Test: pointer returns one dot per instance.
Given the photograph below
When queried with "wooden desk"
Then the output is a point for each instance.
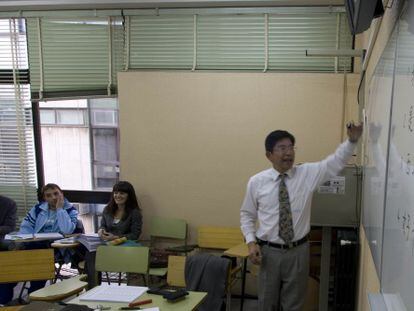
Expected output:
(240, 251)
(189, 303)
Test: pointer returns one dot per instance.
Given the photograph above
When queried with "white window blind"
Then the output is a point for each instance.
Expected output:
(79, 53)
(17, 158)
(237, 39)
(231, 41)
(291, 34)
(75, 52)
(161, 41)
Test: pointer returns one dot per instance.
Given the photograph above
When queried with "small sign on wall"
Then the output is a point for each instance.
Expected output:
(335, 185)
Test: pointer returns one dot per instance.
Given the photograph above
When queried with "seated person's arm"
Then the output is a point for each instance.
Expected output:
(67, 218)
(136, 225)
(29, 222)
(103, 231)
(9, 223)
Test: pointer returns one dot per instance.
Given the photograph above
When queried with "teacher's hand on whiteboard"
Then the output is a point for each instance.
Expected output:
(354, 131)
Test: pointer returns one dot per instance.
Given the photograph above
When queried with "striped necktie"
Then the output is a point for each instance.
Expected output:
(285, 213)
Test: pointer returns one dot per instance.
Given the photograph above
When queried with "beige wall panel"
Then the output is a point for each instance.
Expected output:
(190, 141)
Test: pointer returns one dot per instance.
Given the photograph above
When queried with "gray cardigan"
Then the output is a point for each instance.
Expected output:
(207, 273)
(129, 227)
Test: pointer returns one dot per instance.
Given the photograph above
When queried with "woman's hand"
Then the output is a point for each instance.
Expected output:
(107, 236)
(101, 233)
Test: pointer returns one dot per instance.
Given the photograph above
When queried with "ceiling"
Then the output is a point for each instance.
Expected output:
(6, 5)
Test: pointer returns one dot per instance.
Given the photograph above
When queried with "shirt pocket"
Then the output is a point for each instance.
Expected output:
(298, 201)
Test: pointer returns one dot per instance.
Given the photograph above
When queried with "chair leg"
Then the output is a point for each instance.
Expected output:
(21, 292)
(57, 273)
(107, 278)
(228, 301)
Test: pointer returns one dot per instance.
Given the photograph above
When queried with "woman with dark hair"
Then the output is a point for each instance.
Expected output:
(122, 216)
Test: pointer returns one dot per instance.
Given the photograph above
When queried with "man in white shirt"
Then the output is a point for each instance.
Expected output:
(279, 200)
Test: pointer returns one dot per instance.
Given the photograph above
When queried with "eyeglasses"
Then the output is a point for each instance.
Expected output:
(284, 148)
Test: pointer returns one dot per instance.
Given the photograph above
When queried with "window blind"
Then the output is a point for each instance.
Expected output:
(74, 54)
(161, 41)
(81, 52)
(17, 158)
(290, 35)
(237, 39)
(231, 42)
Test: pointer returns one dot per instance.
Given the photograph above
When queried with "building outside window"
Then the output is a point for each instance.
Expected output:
(80, 143)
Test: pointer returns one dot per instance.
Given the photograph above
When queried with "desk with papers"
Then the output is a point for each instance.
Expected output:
(190, 302)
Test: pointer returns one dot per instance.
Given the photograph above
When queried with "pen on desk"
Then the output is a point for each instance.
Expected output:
(129, 308)
(139, 302)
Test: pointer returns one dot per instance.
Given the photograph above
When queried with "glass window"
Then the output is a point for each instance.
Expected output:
(105, 142)
(104, 117)
(70, 117)
(47, 116)
(105, 175)
(78, 155)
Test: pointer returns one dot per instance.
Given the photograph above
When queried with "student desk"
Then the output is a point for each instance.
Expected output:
(189, 303)
(240, 251)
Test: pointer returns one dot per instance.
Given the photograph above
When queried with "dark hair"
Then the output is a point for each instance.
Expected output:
(48, 187)
(275, 136)
(131, 203)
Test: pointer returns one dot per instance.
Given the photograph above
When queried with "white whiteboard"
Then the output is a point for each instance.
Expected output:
(388, 204)
(398, 255)
(376, 137)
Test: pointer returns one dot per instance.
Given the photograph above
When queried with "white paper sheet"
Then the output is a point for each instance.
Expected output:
(18, 236)
(114, 293)
(48, 236)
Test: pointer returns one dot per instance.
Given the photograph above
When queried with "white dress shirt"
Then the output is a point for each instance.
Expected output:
(261, 202)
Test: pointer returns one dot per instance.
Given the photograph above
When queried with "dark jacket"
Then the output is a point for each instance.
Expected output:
(8, 217)
(207, 273)
(129, 227)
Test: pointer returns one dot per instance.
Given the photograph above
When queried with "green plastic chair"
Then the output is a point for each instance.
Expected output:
(123, 259)
(163, 228)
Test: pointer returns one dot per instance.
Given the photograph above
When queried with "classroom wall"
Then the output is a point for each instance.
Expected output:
(368, 280)
(191, 140)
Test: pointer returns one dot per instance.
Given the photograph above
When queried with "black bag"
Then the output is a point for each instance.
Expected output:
(159, 258)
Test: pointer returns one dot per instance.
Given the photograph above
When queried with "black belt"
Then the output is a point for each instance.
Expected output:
(284, 246)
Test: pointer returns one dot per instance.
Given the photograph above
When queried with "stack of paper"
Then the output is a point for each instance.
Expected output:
(90, 241)
(114, 293)
(70, 240)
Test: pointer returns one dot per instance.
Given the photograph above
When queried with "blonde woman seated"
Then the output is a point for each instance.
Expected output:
(121, 218)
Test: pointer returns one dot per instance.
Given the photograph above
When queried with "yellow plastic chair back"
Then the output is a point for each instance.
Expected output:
(175, 274)
(27, 265)
(219, 237)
